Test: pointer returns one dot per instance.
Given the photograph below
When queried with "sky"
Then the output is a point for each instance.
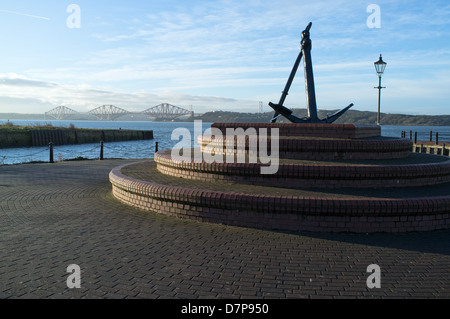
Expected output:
(225, 55)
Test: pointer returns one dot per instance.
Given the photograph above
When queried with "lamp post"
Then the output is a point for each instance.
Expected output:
(380, 66)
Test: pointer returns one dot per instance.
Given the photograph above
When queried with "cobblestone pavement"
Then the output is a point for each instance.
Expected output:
(55, 215)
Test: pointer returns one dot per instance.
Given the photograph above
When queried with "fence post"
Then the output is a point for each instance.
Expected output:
(51, 152)
(437, 138)
(101, 150)
(156, 147)
(415, 137)
(410, 135)
(431, 136)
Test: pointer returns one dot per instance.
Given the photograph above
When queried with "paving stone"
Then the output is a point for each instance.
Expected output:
(54, 215)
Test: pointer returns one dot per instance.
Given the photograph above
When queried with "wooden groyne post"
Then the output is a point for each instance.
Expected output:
(428, 147)
(101, 150)
(51, 152)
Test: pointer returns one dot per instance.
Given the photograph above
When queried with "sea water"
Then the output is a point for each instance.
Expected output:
(145, 149)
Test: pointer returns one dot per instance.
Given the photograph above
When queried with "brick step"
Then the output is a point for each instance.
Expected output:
(318, 130)
(326, 178)
(142, 186)
(418, 170)
(311, 148)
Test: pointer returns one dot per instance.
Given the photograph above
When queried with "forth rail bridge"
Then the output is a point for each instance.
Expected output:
(161, 112)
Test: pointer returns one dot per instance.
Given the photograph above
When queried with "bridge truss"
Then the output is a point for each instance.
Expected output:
(61, 112)
(164, 112)
(108, 112)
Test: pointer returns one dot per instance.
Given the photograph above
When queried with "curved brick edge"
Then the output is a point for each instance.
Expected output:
(314, 149)
(284, 213)
(300, 175)
(308, 129)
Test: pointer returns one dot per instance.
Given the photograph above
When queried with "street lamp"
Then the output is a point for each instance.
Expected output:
(380, 66)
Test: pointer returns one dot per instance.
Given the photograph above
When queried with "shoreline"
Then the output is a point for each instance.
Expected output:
(28, 136)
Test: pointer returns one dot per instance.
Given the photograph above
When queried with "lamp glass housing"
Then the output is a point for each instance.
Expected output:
(380, 66)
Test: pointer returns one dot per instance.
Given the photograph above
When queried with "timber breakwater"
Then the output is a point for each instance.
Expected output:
(28, 136)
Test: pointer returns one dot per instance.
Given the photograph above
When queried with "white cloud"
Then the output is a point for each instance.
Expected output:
(84, 97)
(232, 54)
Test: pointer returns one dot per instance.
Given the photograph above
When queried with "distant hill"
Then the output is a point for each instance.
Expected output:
(350, 117)
(18, 116)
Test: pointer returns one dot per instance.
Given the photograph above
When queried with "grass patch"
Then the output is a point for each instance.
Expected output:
(9, 126)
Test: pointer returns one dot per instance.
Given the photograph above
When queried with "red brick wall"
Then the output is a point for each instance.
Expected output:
(317, 149)
(321, 176)
(317, 130)
(301, 213)
(285, 213)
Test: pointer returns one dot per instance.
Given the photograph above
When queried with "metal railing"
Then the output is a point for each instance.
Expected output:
(431, 147)
(51, 149)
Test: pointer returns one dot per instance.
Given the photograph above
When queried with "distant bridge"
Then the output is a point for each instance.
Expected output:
(161, 112)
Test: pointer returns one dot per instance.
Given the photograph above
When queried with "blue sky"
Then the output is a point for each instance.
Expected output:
(222, 55)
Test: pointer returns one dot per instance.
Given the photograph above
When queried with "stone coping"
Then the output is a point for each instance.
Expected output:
(293, 213)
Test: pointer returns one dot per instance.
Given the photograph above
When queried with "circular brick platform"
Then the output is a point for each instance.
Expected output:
(253, 207)
(315, 148)
(307, 141)
(307, 174)
(344, 131)
(353, 180)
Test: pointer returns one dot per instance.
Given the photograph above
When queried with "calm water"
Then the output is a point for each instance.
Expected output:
(162, 132)
(146, 149)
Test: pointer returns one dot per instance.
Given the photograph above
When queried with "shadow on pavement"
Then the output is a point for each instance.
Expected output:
(433, 242)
